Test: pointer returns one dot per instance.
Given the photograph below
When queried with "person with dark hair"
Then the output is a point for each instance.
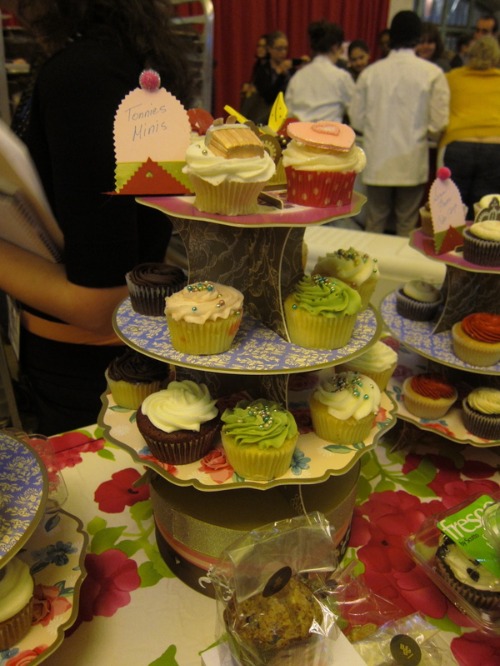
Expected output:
(463, 45)
(320, 90)
(487, 24)
(359, 57)
(384, 42)
(430, 46)
(398, 103)
(96, 51)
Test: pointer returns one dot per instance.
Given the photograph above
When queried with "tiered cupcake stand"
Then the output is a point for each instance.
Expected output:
(53, 545)
(262, 256)
(428, 346)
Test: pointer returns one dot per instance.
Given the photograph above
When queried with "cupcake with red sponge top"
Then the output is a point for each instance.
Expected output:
(476, 339)
(428, 395)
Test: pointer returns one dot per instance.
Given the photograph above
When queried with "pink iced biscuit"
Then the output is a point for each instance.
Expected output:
(323, 134)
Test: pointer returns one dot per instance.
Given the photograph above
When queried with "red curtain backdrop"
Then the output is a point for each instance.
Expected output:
(239, 23)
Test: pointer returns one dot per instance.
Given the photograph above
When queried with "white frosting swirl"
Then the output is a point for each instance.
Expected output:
(487, 230)
(308, 158)
(182, 405)
(203, 301)
(349, 265)
(349, 394)
(201, 162)
(469, 572)
(16, 588)
(377, 358)
(485, 400)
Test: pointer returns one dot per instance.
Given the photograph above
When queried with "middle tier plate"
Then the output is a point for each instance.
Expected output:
(256, 349)
(314, 460)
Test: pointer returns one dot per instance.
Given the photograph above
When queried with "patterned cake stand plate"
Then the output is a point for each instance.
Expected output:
(55, 554)
(450, 426)
(315, 459)
(23, 494)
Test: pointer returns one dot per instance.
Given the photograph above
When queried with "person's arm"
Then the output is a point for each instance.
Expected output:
(357, 108)
(43, 285)
(439, 111)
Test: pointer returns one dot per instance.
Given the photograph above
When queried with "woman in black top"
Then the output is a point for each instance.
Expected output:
(97, 50)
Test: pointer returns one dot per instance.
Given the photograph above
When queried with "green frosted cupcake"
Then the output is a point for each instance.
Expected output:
(259, 439)
(321, 312)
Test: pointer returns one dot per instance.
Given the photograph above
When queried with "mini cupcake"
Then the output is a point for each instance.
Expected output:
(482, 243)
(150, 283)
(259, 439)
(378, 362)
(321, 163)
(180, 423)
(228, 169)
(16, 602)
(356, 269)
(132, 377)
(344, 406)
(321, 312)
(476, 339)
(428, 395)
(418, 300)
(481, 412)
(204, 317)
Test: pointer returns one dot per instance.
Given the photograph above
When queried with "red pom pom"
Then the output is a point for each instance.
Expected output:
(149, 80)
(443, 173)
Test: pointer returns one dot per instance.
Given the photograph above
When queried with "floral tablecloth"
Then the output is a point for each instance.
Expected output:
(134, 612)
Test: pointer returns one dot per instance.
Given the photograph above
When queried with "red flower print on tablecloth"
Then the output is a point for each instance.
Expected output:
(69, 446)
(114, 495)
(475, 648)
(48, 603)
(25, 657)
(216, 466)
(111, 576)
(380, 528)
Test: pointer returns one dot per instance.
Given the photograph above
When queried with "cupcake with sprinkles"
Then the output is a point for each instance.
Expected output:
(357, 269)
(204, 317)
(259, 439)
(321, 312)
(344, 406)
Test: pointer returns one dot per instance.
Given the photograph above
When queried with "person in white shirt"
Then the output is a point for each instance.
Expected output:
(320, 90)
(399, 103)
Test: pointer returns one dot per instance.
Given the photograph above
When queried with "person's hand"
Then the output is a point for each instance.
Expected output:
(284, 66)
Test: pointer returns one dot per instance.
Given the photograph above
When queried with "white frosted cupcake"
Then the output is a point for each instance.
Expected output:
(204, 317)
(482, 243)
(418, 300)
(357, 269)
(228, 169)
(16, 602)
(377, 362)
(481, 412)
(344, 407)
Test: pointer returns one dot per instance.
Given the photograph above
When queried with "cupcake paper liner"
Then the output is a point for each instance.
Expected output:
(423, 407)
(472, 351)
(15, 628)
(228, 198)
(130, 395)
(149, 301)
(250, 462)
(409, 308)
(320, 189)
(212, 337)
(332, 429)
(317, 332)
(486, 426)
(479, 251)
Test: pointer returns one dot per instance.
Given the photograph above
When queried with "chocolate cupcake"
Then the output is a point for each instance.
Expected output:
(481, 412)
(132, 377)
(418, 300)
(150, 283)
(482, 243)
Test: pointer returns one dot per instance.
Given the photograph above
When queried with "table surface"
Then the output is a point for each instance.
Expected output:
(135, 612)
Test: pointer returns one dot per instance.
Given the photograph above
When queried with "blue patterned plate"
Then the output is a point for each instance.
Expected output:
(23, 494)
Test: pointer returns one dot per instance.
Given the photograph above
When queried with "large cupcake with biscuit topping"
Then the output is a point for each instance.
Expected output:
(228, 169)
(321, 163)
(344, 406)
(428, 395)
(476, 339)
(204, 317)
(321, 312)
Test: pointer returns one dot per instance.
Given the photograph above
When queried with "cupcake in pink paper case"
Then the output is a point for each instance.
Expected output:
(321, 163)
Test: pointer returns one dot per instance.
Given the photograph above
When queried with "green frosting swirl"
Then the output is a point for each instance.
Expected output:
(260, 423)
(325, 296)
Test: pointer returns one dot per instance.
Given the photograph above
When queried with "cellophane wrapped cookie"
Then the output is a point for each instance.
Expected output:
(270, 588)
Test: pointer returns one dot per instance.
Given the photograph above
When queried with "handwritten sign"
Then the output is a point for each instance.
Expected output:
(447, 211)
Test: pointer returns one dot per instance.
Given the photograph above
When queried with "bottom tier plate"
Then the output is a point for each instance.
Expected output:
(55, 554)
(314, 460)
(450, 425)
